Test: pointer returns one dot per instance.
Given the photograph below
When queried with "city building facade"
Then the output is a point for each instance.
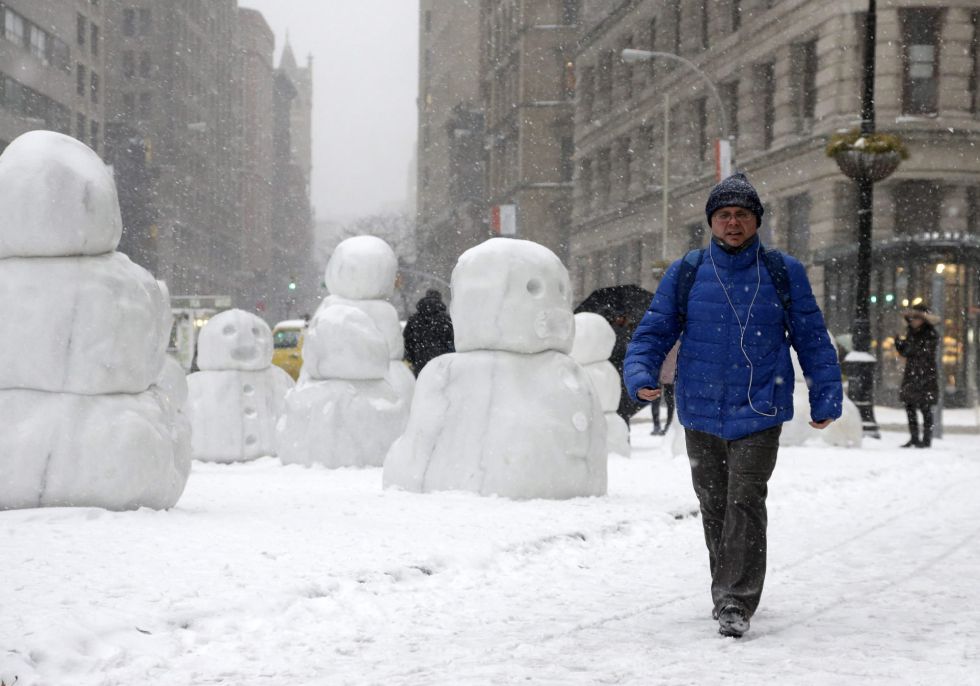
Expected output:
(778, 78)
(527, 81)
(451, 208)
(52, 69)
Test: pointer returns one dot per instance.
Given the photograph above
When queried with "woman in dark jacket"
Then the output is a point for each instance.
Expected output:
(920, 383)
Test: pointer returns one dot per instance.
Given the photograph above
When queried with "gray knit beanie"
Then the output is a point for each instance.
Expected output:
(735, 191)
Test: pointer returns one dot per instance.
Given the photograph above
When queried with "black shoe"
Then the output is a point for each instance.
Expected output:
(655, 432)
(912, 443)
(732, 621)
(924, 444)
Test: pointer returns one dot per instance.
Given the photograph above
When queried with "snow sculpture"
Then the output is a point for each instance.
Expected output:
(510, 413)
(594, 342)
(237, 398)
(361, 273)
(346, 414)
(845, 432)
(85, 419)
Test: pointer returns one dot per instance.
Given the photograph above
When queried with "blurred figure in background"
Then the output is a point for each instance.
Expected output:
(429, 332)
(920, 382)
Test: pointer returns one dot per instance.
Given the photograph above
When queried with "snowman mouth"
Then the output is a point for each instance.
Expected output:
(243, 354)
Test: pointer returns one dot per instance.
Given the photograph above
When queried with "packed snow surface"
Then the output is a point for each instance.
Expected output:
(56, 198)
(309, 576)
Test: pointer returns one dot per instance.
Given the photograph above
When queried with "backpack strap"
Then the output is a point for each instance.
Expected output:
(685, 280)
(776, 266)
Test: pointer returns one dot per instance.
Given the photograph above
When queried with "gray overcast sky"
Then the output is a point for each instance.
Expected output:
(365, 57)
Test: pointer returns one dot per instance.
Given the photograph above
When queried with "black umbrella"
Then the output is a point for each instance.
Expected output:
(629, 301)
(623, 307)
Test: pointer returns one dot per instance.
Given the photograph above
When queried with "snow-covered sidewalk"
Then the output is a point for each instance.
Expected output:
(287, 575)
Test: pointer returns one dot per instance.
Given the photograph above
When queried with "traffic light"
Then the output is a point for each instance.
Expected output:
(292, 285)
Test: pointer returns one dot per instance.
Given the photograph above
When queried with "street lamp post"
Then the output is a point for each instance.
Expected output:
(860, 361)
(631, 55)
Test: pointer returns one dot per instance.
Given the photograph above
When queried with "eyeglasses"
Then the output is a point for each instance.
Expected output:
(725, 216)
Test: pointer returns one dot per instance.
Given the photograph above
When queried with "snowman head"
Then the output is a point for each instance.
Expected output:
(594, 338)
(362, 268)
(57, 198)
(236, 340)
(342, 342)
(511, 295)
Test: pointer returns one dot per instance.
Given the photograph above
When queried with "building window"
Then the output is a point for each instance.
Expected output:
(625, 70)
(81, 126)
(729, 96)
(604, 82)
(652, 45)
(94, 37)
(920, 60)
(146, 21)
(569, 12)
(585, 183)
(567, 163)
(766, 76)
(129, 104)
(605, 177)
(705, 25)
(586, 93)
(428, 21)
(695, 235)
(13, 27)
(973, 210)
(146, 105)
(798, 225)
(129, 22)
(38, 44)
(701, 129)
(736, 15)
(145, 65)
(80, 29)
(804, 85)
(674, 7)
(94, 86)
(128, 64)
(975, 64)
(917, 206)
(94, 139)
(81, 79)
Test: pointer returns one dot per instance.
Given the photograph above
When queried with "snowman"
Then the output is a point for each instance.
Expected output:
(844, 432)
(594, 342)
(509, 413)
(237, 398)
(361, 273)
(345, 414)
(90, 415)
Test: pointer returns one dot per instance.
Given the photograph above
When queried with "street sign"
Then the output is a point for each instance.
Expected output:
(503, 220)
(723, 159)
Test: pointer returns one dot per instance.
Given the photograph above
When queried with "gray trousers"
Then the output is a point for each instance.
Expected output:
(731, 482)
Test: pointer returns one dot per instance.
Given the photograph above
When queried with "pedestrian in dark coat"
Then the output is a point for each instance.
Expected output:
(429, 332)
(734, 385)
(920, 382)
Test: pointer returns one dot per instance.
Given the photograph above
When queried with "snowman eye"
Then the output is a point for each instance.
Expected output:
(228, 330)
(535, 287)
(255, 331)
(561, 287)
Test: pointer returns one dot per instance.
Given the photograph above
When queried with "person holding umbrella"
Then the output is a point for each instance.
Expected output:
(920, 382)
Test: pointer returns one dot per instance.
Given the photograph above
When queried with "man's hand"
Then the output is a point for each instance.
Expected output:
(648, 394)
(821, 425)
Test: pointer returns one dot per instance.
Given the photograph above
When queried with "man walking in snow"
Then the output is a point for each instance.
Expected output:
(736, 307)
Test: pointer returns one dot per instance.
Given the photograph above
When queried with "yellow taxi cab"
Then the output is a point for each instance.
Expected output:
(287, 345)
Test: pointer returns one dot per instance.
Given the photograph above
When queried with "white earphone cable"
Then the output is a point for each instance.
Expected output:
(742, 327)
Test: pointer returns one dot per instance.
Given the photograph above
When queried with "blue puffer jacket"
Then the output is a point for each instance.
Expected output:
(712, 387)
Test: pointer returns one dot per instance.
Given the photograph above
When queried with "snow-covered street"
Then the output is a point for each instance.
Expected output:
(292, 575)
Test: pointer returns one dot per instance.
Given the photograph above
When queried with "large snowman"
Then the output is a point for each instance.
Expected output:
(345, 414)
(89, 415)
(237, 398)
(361, 273)
(594, 342)
(509, 413)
